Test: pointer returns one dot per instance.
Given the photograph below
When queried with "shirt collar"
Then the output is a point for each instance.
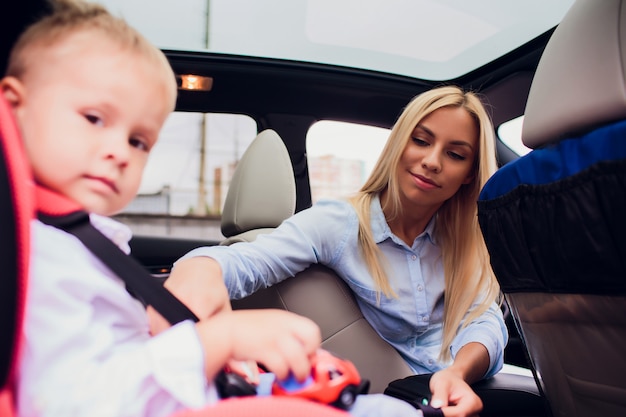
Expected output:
(117, 232)
(381, 230)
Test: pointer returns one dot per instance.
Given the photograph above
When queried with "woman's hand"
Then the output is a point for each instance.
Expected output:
(450, 387)
(453, 395)
(198, 283)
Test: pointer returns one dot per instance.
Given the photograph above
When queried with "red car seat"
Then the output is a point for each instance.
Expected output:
(17, 209)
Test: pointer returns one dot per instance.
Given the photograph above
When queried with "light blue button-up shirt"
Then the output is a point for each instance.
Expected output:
(327, 233)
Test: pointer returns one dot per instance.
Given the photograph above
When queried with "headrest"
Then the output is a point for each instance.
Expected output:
(262, 192)
(580, 82)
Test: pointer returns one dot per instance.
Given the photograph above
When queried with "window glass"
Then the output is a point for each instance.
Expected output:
(187, 176)
(369, 34)
(341, 156)
(511, 134)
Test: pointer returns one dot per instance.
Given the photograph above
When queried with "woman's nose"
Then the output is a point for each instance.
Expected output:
(432, 160)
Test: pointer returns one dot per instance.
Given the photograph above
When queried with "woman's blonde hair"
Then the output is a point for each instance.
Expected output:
(70, 16)
(468, 275)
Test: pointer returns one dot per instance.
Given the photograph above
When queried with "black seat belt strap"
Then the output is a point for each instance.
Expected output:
(140, 283)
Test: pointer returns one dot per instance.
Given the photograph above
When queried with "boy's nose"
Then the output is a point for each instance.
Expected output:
(117, 149)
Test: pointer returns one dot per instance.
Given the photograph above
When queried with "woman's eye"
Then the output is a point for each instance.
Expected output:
(94, 120)
(139, 144)
(419, 141)
(456, 156)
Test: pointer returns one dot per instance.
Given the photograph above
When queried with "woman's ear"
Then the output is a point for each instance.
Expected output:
(12, 90)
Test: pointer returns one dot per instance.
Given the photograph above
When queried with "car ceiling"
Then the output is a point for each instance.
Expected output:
(274, 92)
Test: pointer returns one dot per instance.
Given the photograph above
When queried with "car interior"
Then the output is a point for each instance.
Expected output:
(566, 328)
(320, 294)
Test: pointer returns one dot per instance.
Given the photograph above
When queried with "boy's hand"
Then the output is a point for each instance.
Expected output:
(282, 341)
(247, 369)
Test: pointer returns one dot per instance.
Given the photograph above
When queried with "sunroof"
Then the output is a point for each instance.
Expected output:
(428, 39)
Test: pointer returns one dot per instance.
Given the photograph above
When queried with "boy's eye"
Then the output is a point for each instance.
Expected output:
(94, 120)
(139, 144)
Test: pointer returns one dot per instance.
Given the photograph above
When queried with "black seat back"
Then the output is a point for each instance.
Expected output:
(554, 220)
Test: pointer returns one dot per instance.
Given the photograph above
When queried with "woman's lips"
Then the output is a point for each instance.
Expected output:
(425, 182)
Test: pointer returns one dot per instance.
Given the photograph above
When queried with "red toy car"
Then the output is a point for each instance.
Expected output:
(333, 381)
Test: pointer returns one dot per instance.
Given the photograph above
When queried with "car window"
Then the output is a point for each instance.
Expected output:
(341, 156)
(188, 173)
(180, 198)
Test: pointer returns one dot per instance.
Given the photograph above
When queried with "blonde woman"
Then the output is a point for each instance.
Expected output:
(408, 244)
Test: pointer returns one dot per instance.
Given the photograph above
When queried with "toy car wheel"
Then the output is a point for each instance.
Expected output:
(347, 397)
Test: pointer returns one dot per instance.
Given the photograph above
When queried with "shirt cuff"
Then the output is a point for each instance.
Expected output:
(203, 251)
(469, 335)
(178, 361)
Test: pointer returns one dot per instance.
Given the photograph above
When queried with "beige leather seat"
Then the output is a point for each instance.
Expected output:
(262, 192)
(554, 220)
(261, 195)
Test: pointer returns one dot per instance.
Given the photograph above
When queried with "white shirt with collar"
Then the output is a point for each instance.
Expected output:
(87, 349)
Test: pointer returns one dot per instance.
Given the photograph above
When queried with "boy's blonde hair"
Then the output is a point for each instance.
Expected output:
(71, 16)
(468, 274)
